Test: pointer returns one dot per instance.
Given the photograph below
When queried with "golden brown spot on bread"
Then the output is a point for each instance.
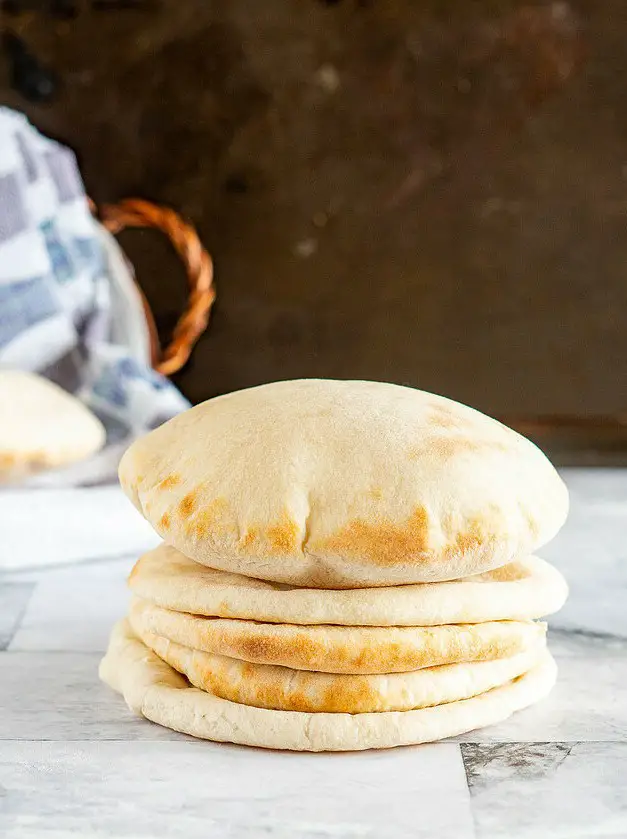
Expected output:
(283, 535)
(452, 445)
(474, 533)
(336, 648)
(381, 541)
(169, 482)
(426, 449)
(294, 700)
(164, 521)
(408, 651)
(472, 537)
(264, 648)
(188, 504)
(505, 574)
(278, 538)
(341, 695)
(250, 537)
(254, 689)
(376, 493)
(134, 571)
(394, 655)
(147, 506)
(444, 416)
(300, 650)
(208, 520)
(263, 693)
(385, 542)
(255, 648)
(530, 521)
(352, 697)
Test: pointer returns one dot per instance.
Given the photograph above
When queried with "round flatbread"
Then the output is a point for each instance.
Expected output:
(42, 426)
(338, 649)
(285, 689)
(338, 484)
(153, 689)
(522, 590)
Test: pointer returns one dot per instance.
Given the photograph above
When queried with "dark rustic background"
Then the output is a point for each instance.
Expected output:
(432, 193)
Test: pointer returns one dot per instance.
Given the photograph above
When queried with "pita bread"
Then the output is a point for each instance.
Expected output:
(526, 589)
(284, 689)
(338, 649)
(337, 484)
(153, 689)
(42, 426)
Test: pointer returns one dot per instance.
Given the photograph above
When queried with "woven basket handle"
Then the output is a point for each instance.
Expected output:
(134, 212)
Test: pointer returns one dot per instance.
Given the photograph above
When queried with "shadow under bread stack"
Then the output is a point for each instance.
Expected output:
(346, 565)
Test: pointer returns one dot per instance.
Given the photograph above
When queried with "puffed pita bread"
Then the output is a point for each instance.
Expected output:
(153, 689)
(525, 589)
(339, 484)
(338, 649)
(284, 689)
(42, 426)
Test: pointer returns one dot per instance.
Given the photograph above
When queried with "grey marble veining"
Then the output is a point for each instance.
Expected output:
(14, 598)
(557, 790)
(497, 762)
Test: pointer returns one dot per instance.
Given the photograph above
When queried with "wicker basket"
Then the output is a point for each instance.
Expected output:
(134, 212)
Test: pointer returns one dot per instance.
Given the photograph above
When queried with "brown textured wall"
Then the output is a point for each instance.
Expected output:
(433, 193)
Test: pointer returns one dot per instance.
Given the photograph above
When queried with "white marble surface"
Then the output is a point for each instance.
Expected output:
(101, 524)
(72, 607)
(204, 790)
(591, 551)
(75, 762)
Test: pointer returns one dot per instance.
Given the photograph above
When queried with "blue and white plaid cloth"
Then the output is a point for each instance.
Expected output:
(60, 315)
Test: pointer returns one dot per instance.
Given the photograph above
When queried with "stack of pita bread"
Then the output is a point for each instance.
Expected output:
(345, 565)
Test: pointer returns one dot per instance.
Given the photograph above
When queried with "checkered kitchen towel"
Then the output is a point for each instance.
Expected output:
(61, 314)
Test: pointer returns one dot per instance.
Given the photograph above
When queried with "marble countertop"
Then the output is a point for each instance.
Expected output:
(74, 761)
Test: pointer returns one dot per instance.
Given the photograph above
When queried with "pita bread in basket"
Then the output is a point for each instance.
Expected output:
(42, 426)
(338, 649)
(344, 484)
(153, 689)
(522, 590)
